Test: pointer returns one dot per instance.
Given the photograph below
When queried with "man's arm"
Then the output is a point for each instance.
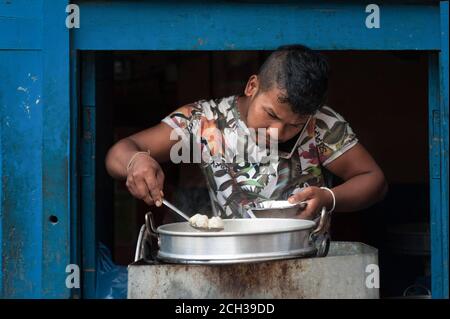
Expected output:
(155, 139)
(364, 184)
(144, 178)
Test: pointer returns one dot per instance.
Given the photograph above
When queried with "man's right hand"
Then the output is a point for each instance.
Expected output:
(145, 180)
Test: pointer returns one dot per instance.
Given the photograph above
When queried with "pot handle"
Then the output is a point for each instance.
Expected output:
(150, 225)
(150, 247)
(138, 252)
(324, 222)
(320, 236)
(146, 231)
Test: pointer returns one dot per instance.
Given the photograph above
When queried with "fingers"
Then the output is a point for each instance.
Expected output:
(154, 189)
(146, 183)
(308, 195)
(147, 186)
(138, 188)
(160, 181)
(148, 200)
(303, 195)
(310, 211)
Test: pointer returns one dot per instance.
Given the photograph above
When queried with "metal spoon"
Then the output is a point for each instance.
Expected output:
(179, 212)
(176, 210)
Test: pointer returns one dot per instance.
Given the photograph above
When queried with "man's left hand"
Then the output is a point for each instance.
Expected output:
(315, 197)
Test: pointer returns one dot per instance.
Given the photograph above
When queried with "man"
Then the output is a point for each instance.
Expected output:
(283, 103)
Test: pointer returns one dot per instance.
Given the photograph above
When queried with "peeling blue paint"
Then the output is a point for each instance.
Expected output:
(31, 254)
(243, 25)
(21, 205)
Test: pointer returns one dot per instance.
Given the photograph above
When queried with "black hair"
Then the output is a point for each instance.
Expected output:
(300, 73)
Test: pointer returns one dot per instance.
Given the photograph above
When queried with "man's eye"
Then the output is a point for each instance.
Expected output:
(272, 115)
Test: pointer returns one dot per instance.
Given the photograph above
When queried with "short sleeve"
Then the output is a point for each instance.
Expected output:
(333, 134)
(185, 119)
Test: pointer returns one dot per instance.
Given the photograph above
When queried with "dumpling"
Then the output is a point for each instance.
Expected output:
(199, 220)
(216, 222)
(202, 221)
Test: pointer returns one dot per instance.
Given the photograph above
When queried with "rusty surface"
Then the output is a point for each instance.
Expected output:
(340, 275)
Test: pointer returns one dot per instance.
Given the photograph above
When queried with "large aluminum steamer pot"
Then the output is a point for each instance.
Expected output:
(242, 240)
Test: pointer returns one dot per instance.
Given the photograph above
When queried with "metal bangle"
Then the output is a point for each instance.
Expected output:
(130, 162)
(334, 199)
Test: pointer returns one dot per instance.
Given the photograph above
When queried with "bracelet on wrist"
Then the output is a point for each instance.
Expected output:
(135, 155)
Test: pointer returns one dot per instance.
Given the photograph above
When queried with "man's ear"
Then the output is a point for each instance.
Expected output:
(252, 86)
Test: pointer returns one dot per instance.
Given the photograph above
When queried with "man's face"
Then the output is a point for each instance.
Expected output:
(265, 111)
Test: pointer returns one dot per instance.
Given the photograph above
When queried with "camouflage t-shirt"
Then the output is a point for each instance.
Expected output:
(215, 128)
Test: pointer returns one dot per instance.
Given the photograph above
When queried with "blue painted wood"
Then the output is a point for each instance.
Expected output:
(21, 9)
(233, 25)
(75, 242)
(88, 207)
(434, 138)
(438, 141)
(21, 24)
(443, 77)
(34, 109)
(55, 150)
(19, 35)
(1, 201)
(21, 208)
(21, 155)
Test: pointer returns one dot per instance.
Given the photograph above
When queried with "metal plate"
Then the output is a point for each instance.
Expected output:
(276, 209)
(275, 204)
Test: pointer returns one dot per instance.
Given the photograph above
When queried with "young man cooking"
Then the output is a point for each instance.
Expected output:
(285, 101)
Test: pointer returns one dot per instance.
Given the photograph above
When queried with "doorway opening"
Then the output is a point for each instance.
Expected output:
(383, 95)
